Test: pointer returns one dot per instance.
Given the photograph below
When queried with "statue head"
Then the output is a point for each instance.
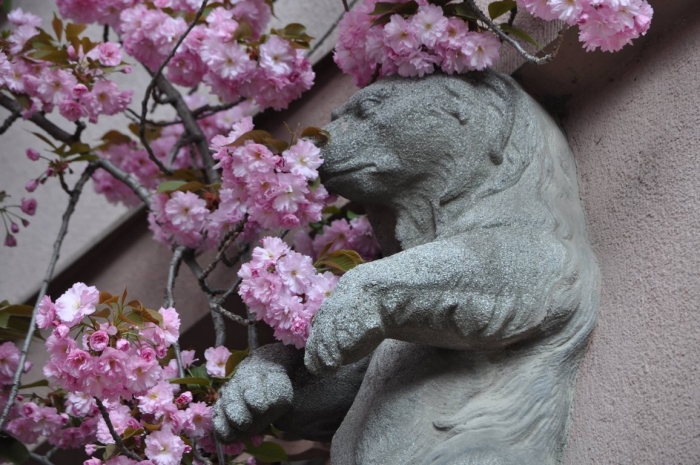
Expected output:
(440, 136)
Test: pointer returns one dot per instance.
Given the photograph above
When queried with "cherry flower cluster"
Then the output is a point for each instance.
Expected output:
(413, 43)
(226, 50)
(72, 77)
(605, 24)
(131, 158)
(340, 234)
(282, 288)
(262, 185)
(117, 358)
(415, 37)
(10, 217)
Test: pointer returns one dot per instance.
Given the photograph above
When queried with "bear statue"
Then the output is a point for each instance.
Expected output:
(461, 345)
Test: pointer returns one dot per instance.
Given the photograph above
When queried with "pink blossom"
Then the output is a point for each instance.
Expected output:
(28, 206)
(216, 360)
(156, 398)
(46, 313)
(9, 361)
(98, 341)
(429, 24)
(164, 448)
(32, 154)
(31, 185)
(77, 302)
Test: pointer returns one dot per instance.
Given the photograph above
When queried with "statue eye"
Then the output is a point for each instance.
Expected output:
(367, 106)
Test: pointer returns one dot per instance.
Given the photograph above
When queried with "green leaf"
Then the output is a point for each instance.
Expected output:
(116, 137)
(6, 6)
(13, 451)
(331, 210)
(40, 383)
(318, 135)
(199, 372)
(197, 381)
(130, 432)
(351, 214)
(236, 357)
(44, 138)
(340, 261)
(497, 9)
(169, 186)
(519, 33)
(461, 10)
(4, 320)
(256, 135)
(18, 310)
(57, 25)
(86, 157)
(267, 452)
(74, 30)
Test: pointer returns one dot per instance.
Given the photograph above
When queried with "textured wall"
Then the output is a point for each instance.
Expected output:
(637, 145)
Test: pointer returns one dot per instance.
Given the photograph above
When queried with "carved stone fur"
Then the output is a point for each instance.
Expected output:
(476, 318)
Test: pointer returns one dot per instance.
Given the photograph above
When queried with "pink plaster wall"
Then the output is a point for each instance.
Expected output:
(637, 141)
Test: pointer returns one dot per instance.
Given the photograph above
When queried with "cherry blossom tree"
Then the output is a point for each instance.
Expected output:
(121, 388)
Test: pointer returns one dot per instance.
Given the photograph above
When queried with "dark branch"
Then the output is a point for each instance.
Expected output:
(14, 116)
(40, 120)
(74, 196)
(158, 76)
(115, 436)
(125, 178)
(505, 37)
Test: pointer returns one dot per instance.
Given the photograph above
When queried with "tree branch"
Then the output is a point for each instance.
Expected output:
(191, 126)
(42, 459)
(214, 306)
(74, 196)
(514, 43)
(115, 436)
(40, 120)
(8, 122)
(130, 182)
(155, 80)
(170, 300)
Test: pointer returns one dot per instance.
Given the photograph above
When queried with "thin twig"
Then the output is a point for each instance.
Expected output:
(330, 31)
(14, 116)
(219, 451)
(182, 141)
(208, 110)
(40, 120)
(196, 269)
(253, 342)
(224, 244)
(215, 307)
(199, 456)
(152, 85)
(115, 436)
(42, 459)
(170, 299)
(105, 33)
(74, 196)
(191, 126)
(345, 5)
(131, 182)
(172, 275)
(514, 43)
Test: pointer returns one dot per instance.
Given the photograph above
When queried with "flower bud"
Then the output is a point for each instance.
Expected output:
(32, 154)
(31, 185)
(28, 206)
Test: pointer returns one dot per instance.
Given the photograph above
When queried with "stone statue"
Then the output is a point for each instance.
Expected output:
(462, 345)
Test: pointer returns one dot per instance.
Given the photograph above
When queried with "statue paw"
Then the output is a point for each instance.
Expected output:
(258, 394)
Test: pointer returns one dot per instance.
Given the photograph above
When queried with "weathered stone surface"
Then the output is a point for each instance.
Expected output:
(476, 319)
